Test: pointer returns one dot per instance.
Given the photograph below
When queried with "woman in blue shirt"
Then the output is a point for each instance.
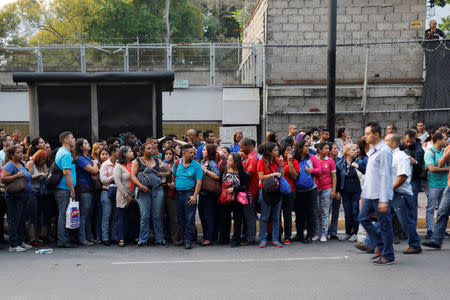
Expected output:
(85, 168)
(13, 170)
(237, 137)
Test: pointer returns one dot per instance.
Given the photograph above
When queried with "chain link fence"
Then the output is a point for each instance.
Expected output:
(200, 64)
(395, 83)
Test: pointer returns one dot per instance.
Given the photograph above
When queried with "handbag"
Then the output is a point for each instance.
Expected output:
(304, 180)
(112, 190)
(225, 198)
(272, 183)
(285, 187)
(17, 186)
(243, 198)
(211, 185)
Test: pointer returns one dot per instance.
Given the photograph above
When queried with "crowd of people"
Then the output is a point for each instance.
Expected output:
(147, 193)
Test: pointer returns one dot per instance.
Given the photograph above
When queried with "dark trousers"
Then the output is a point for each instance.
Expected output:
(351, 209)
(186, 214)
(287, 205)
(123, 225)
(16, 218)
(304, 212)
(207, 206)
(3, 211)
(383, 240)
(224, 232)
(249, 212)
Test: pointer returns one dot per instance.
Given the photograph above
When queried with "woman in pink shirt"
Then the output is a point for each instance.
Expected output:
(326, 186)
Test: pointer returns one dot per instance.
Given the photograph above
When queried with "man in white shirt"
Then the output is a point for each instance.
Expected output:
(378, 193)
(422, 133)
(403, 203)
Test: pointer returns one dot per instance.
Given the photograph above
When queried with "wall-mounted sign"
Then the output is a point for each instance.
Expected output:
(416, 24)
(180, 84)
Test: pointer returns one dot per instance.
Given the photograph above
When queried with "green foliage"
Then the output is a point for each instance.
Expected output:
(445, 25)
(440, 3)
(186, 21)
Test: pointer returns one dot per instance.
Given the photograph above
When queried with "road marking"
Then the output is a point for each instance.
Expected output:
(230, 260)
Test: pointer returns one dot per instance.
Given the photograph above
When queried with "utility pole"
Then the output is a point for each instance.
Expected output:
(331, 68)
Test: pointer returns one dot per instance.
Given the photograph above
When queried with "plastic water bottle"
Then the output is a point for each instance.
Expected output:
(44, 251)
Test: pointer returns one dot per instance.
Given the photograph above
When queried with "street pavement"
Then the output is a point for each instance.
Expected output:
(331, 270)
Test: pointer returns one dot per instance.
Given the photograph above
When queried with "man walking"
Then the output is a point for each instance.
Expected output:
(378, 193)
(66, 187)
(403, 203)
(413, 148)
(187, 176)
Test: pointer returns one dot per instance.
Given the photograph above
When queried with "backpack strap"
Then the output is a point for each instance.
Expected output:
(176, 167)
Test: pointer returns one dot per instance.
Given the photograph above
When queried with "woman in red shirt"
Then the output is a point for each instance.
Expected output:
(291, 171)
(270, 202)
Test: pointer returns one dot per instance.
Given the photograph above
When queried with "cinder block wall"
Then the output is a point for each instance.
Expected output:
(306, 22)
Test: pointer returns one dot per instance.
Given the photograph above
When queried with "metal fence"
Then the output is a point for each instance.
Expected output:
(202, 64)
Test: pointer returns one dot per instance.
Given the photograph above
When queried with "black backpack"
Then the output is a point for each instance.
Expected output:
(54, 176)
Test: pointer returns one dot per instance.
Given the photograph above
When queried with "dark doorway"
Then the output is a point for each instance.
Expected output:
(64, 108)
(125, 108)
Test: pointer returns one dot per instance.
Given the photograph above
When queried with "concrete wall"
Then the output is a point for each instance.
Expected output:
(305, 22)
(285, 102)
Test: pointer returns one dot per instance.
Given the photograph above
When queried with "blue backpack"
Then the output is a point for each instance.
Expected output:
(285, 187)
(304, 180)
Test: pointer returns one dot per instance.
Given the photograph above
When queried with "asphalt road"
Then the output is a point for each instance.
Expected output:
(332, 270)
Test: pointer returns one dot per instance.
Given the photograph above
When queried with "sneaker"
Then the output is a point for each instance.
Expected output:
(26, 246)
(287, 242)
(315, 238)
(377, 255)
(323, 238)
(353, 238)
(162, 244)
(429, 235)
(140, 244)
(86, 243)
(431, 245)
(277, 244)
(383, 262)
(262, 244)
(344, 237)
(16, 249)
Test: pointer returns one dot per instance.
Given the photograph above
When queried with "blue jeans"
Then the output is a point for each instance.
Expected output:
(107, 209)
(269, 213)
(150, 204)
(377, 229)
(351, 209)
(434, 196)
(185, 214)
(207, 206)
(249, 212)
(97, 218)
(334, 210)
(323, 212)
(33, 211)
(416, 185)
(62, 198)
(287, 205)
(406, 210)
(85, 232)
(16, 205)
(383, 240)
(442, 218)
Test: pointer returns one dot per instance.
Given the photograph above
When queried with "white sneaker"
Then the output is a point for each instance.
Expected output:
(344, 237)
(26, 246)
(323, 239)
(16, 249)
(315, 238)
(353, 238)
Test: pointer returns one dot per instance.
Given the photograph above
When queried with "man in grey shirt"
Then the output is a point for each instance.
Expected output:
(378, 193)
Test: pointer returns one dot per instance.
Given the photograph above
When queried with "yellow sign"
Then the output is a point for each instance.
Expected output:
(416, 24)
